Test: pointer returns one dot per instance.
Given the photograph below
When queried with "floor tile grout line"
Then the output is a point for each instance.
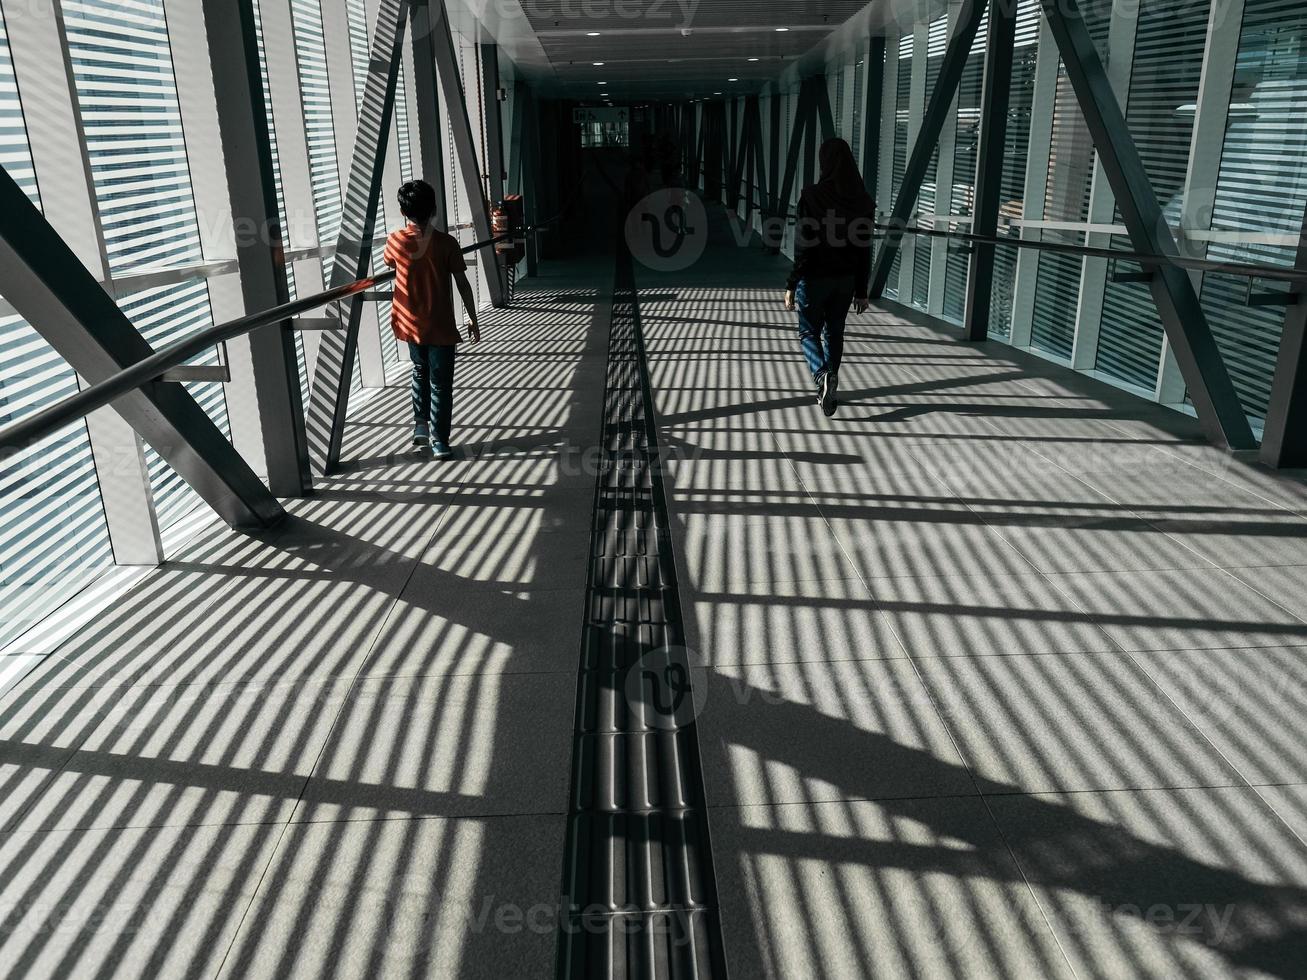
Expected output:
(1227, 570)
(957, 748)
(322, 748)
(1157, 687)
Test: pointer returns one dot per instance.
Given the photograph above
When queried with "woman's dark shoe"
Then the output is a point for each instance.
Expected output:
(421, 434)
(826, 386)
(440, 450)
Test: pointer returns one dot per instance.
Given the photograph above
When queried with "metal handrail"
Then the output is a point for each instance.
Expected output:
(150, 369)
(1251, 270)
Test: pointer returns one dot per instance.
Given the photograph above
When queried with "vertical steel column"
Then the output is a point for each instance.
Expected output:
(888, 128)
(260, 250)
(937, 110)
(451, 87)
(735, 163)
(431, 132)
(531, 183)
(817, 88)
(774, 115)
(334, 370)
(995, 93)
(1284, 438)
(1210, 387)
(494, 153)
(41, 277)
(874, 82)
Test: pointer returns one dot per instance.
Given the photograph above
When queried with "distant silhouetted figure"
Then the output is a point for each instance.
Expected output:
(428, 263)
(832, 263)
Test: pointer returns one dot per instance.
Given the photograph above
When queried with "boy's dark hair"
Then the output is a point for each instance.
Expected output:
(417, 201)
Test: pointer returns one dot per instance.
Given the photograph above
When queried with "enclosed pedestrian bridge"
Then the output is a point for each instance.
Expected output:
(991, 664)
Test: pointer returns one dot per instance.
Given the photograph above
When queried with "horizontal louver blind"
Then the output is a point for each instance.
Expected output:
(320, 137)
(1070, 168)
(936, 43)
(965, 147)
(52, 531)
(902, 107)
(1169, 44)
(1262, 187)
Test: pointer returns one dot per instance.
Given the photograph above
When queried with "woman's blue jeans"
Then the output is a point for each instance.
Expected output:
(433, 388)
(823, 306)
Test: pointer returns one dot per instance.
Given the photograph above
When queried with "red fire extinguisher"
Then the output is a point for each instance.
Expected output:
(508, 225)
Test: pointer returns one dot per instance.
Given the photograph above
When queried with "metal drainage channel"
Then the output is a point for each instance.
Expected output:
(638, 887)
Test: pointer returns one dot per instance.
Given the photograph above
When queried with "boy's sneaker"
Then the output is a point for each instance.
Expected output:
(421, 434)
(440, 450)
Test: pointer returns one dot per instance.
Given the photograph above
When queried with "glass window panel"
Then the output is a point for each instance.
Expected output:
(53, 537)
(123, 75)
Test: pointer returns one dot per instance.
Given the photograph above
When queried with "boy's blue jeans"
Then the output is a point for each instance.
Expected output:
(823, 306)
(433, 388)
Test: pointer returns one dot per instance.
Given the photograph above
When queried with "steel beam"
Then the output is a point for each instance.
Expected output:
(932, 124)
(1213, 393)
(1284, 438)
(735, 160)
(334, 369)
(824, 115)
(43, 280)
(451, 87)
(261, 256)
(774, 153)
(431, 131)
(801, 114)
(493, 128)
(994, 98)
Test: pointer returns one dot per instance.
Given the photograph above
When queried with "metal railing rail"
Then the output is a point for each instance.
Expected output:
(151, 369)
(1251, 270)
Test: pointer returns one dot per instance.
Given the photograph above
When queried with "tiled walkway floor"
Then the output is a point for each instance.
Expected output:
(341, 748)
(1005, 676)
(1006, 670)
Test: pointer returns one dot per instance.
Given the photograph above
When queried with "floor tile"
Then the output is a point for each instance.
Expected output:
(816, 732)
(1247, 702)
(447, 745)
(166, 756)
(790, 622)
(413, 897)
(157, 902)
(983, 616)
(1068, 722)
(1184, 609)
(1165, 882)
(443, 628)
(903, 888)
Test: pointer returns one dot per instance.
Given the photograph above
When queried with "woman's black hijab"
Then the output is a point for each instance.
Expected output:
(839, 190)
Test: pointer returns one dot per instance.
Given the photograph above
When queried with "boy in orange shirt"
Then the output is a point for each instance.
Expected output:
(422, 313)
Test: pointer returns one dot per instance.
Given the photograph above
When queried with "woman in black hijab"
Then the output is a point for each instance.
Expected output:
(832, 263)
